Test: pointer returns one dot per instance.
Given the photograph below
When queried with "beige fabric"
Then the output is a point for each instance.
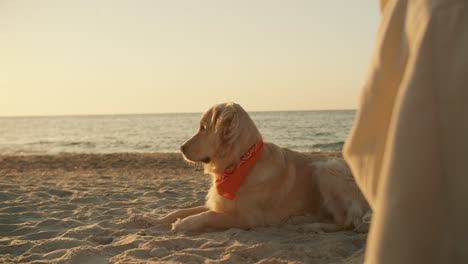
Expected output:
(409, 145)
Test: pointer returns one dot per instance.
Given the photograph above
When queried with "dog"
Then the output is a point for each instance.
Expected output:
(255, 183)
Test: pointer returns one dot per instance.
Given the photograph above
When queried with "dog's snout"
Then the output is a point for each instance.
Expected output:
(182, 148)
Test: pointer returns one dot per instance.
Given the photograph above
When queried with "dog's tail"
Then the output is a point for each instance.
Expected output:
(341, 195)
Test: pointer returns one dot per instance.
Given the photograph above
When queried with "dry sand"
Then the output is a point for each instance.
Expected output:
(81, 208)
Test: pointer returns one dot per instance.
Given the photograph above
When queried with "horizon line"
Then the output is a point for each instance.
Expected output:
(164, 113)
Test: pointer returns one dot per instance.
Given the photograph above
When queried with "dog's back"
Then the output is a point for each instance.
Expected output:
(285, 183)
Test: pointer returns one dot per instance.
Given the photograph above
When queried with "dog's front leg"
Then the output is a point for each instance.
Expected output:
(208, 220)
(180, 214)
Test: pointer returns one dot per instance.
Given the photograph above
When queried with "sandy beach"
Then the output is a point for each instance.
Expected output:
(87, 208)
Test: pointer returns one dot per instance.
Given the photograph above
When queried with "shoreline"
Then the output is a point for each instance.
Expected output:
(131, 163)
(72, 163)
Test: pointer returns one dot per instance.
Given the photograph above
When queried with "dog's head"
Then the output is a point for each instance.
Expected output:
(225, 133)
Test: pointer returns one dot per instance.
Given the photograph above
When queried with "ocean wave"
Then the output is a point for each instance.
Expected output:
(42, 142)
(88, 144)
(330, 146)
(323, 134)
(80, 144)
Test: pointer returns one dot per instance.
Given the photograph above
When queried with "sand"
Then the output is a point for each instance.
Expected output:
(89, 208)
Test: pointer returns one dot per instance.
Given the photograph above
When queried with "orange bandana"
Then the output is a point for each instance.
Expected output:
(233, 177)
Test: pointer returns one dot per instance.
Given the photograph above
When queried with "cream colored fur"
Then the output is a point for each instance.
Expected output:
(284, 185)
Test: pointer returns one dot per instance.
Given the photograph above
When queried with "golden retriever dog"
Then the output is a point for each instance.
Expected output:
(258, 184)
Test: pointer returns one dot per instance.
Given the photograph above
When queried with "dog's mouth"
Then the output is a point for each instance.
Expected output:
(206, 160)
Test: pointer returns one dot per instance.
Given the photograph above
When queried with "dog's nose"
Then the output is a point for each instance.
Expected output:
(182, 148)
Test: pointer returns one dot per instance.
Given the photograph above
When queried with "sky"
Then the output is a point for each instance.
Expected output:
(135, 56)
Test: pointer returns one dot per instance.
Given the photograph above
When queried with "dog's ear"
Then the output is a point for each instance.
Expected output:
(215, 113)
(227, 122)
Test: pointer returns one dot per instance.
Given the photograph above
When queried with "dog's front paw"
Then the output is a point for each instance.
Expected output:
(186, 224)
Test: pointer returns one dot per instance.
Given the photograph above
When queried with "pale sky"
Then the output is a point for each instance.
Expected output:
(108, 57)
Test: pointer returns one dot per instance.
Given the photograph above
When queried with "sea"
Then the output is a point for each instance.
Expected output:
(298, 130)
